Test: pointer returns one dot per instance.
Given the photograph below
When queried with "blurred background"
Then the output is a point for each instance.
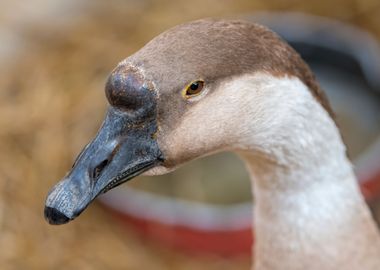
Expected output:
(55, 56)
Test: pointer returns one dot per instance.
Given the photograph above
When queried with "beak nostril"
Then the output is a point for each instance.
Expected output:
(98, 169)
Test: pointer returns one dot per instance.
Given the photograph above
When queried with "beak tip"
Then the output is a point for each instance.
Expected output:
(54, 216)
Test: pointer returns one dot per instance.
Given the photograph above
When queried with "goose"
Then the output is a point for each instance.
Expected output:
(215, 85)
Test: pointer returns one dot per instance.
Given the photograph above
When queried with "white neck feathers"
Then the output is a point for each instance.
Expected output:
(309, 213)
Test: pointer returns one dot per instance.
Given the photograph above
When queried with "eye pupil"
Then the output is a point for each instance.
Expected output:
(194, 86)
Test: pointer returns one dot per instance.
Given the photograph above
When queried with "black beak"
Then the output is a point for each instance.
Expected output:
(123, 148)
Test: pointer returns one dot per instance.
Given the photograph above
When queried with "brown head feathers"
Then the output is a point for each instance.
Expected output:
(218, 49)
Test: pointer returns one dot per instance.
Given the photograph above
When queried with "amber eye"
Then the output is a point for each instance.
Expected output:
(194, 88)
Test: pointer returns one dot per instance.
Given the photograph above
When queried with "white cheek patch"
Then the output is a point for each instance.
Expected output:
(251, 111)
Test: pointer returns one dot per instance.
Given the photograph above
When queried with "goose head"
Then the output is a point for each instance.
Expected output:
(177, 99)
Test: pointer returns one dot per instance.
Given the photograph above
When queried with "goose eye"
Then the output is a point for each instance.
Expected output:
(194, 88)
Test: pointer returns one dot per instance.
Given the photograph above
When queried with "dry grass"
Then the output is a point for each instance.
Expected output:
(51, 103)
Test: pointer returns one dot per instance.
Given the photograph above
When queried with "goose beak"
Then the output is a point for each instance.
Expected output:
(123, 148)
